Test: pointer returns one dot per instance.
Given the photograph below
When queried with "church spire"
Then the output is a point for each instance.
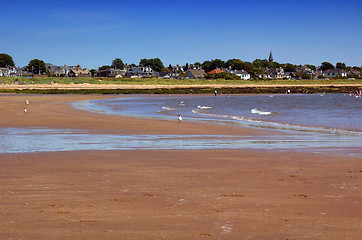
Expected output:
(271, 57)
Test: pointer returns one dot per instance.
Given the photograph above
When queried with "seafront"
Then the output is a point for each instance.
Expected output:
(179, 88)
(170, 194)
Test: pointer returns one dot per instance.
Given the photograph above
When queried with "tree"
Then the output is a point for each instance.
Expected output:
(154, 63)
(236, 64)
(36, 66)
(289, 68)
(222, 75)
(217, 63)
(197, 64)
(261, 63)
(326, 65)
(247, 66)
(305, 76)
(340, 65)
(312, 67)
(6, 60)
(206, 65)
(255, 71)
(105, 67)
(93, 72)
(165, 69)
(117, 63)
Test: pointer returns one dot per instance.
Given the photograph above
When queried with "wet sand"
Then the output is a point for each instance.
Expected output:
(169, 194)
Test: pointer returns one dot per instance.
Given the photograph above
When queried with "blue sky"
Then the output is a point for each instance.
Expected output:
(93, 33)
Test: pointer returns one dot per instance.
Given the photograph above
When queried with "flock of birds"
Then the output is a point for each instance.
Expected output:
(27, 103)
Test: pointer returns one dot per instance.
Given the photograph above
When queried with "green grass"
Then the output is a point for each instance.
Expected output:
(156, 81)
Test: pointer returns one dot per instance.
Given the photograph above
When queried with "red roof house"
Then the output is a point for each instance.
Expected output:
(216, 71)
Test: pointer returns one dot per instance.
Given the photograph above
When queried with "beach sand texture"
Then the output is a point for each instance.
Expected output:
(169, 194)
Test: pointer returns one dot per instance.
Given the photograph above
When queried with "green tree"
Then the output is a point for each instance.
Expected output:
(104, 67)
(36, 66)
(305, 76)
(247, 66)
(289, 68)
(206, 65)
(340, 65)
(326, 65)
(264, 63)
(236, 64)
(154, 63)
(231, 62)
(117, 63)
(6, 60)
(222, 75)
(93, 72)
(217, 63)
(197, 64)
(261, 63)
(312, 67)
(255, 71)
(213, 64)
(165, 69)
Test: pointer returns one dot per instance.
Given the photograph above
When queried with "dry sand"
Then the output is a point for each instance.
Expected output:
(169, 194)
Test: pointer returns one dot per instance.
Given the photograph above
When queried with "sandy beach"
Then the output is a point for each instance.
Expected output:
(169, 194)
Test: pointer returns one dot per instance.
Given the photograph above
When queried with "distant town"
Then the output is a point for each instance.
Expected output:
(209, 69)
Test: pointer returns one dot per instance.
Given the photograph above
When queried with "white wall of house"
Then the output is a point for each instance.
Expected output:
(328, 74)
(244, 76)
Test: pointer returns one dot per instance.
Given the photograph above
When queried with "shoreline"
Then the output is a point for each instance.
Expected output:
(171, 194)
(176, 89)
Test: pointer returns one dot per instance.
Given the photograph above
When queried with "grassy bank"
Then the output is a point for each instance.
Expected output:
(156, 81)
(49, 85)
(188, 90)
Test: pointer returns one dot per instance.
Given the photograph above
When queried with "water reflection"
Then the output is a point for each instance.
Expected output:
(26, 140)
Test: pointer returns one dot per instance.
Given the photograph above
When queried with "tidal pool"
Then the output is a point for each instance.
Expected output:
(27, 140)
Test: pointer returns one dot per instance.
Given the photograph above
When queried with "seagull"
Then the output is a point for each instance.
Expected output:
(25, 110)
(27, 102)
(179, 118)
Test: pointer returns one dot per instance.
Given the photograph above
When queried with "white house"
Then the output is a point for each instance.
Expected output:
(241, 73)
(334, 73)
(9, 72)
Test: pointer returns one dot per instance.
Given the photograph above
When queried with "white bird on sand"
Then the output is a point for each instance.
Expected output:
(25, 110)
(179, 118)
(27, 102)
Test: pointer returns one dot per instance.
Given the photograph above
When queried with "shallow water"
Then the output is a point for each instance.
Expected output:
(320, 123)
(332, 113)
(27, 140)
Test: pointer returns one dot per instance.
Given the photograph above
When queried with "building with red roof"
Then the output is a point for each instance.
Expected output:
(216, 71)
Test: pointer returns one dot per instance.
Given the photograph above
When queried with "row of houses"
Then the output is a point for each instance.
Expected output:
(189, 71)
(146, 72)
(59, 71)
(67, 71)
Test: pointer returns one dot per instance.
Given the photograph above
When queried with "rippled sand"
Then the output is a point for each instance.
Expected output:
(170, 194)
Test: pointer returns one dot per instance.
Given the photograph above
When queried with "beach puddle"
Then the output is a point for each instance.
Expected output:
(27, 140)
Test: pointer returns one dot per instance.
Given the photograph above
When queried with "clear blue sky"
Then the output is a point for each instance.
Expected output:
(93, 33)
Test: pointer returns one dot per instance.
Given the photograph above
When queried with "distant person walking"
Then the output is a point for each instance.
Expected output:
(215, 93)
(27, 102)
(179, 118)
(25, 110)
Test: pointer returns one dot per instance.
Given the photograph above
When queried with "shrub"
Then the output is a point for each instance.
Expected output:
(222, 75)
